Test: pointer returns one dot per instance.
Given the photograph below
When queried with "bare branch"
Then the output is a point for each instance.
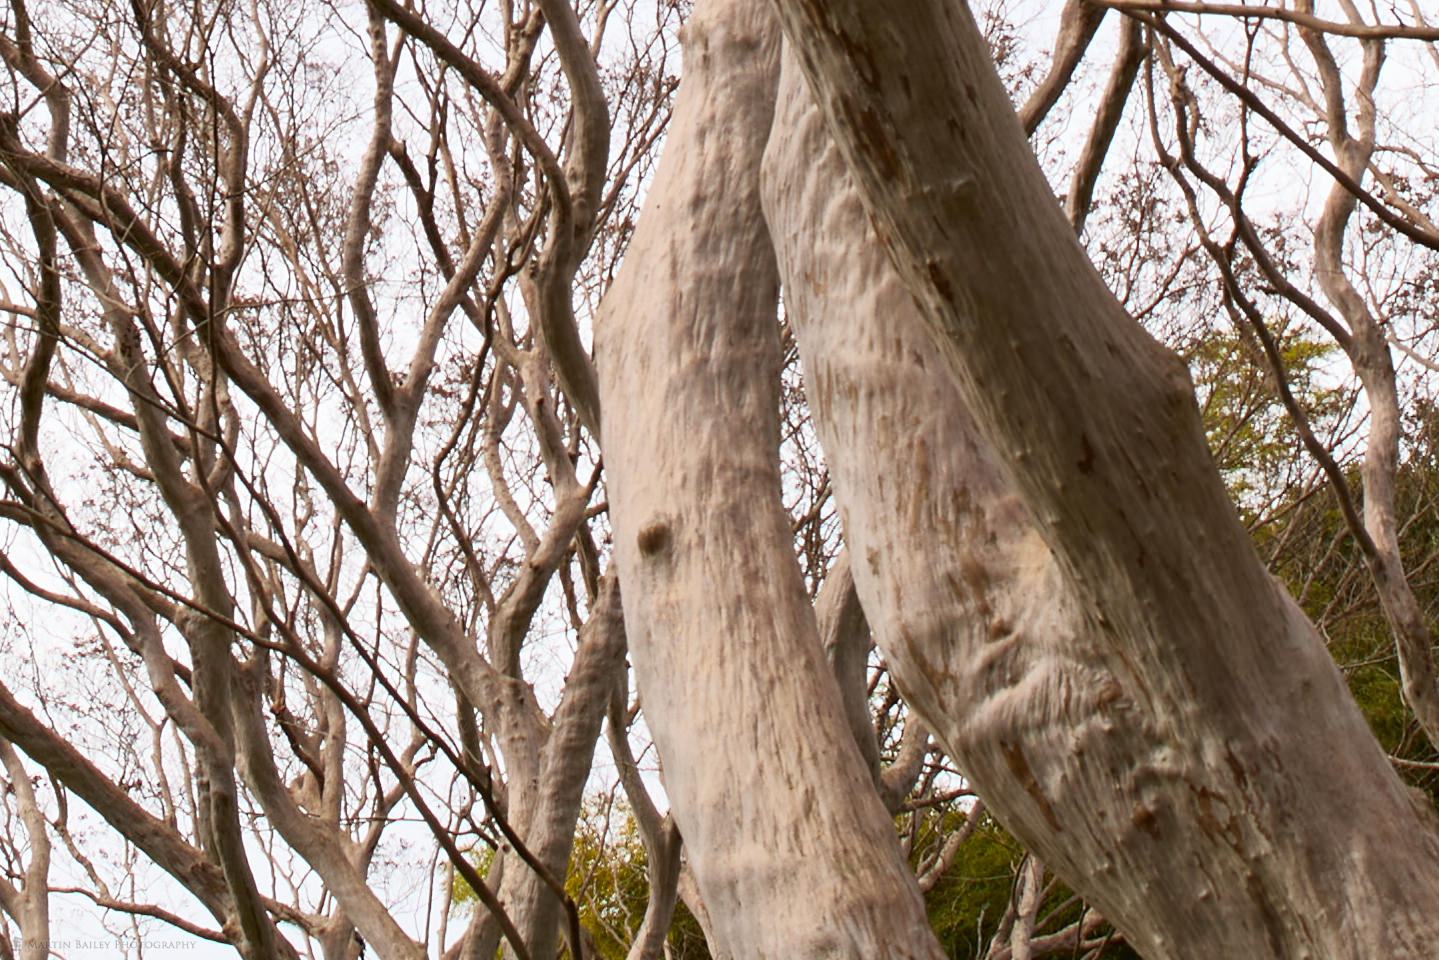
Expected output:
(1301, 17)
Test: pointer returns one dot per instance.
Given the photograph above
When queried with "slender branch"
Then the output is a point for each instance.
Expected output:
(1363, 31)
(1414, 232)
(1131, 53)
(1078, 22)
(147, 910)
(357, 223)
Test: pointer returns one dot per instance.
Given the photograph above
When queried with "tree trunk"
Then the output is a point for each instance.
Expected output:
(565, 760)
(793, 852)
(28, 904)
(1048, 558)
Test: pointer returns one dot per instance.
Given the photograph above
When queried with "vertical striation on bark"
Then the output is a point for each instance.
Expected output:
(1047, 557)
(793, 852)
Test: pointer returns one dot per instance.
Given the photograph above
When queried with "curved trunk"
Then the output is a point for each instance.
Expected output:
(1047, 557)
(793, 852)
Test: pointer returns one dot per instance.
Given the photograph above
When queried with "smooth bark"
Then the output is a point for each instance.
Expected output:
(1078, 22)
(1127, 59)
(845, 635)
(792, 850)
(1086, 627)
(28, 903)
(157, 839)
(565, 766)
(327, 850)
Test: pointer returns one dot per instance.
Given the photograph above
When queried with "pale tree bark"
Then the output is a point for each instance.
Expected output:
(1127, 59)
(28, 904)
(793, 852)
(327, 850)
(847, 643)
(668, 877)
(1354, 326)
(845, 635)
(1062, 589)
(1078, 22)
(564, 763)
(1031, 886)
(171, 355)
(1368, 349)
(157, 839)
(662, 871)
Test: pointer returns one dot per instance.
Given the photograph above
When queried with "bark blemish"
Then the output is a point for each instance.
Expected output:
(1019, 766)
(870, 136)
(933, 673)
(859, 55)
(1216, 817)
(1086, 455)
(1236, 768)
(653, 538)
(1273, 924)
(1145, 819)
(1111, 691)
(940, 282)
(977, 585)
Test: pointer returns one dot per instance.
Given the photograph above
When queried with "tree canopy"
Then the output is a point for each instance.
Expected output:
(726, 479)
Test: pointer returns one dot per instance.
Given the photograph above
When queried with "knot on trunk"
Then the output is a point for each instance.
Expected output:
(653, 537)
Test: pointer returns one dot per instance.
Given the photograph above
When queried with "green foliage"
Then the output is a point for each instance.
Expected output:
(607, 881)
(1297, 525)
(966, 905)
(463, 895)
(1248, 429)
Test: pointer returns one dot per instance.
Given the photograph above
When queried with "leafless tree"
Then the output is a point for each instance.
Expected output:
(286, 441)
(321, 320)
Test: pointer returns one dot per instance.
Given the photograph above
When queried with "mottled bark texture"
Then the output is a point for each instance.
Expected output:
(792, 850)
(1042, 544)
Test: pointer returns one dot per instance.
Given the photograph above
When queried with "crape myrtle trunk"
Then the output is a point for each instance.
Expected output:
(1040, 539)
(794, 853)
(1041, 542)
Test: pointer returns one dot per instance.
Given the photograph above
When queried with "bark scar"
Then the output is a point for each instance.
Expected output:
(653, 537)
(1019, 766)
